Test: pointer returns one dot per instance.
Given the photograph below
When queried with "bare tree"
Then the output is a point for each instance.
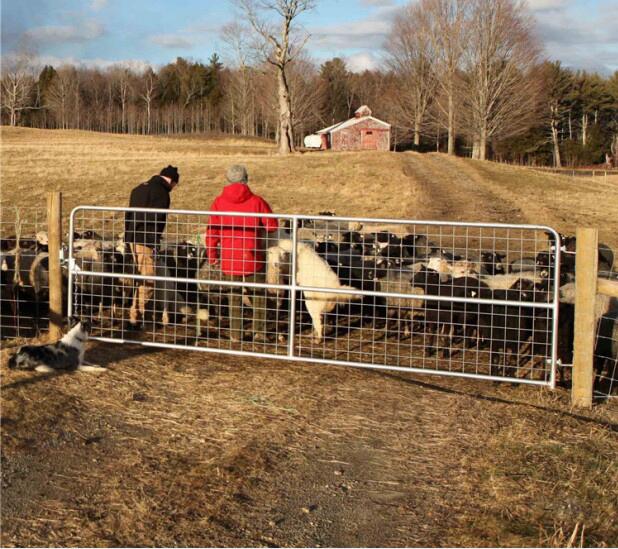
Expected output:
(99, 85)
(500, 96)
(369, 88)
(122, 83)
(447, 25)
(147, 94)
(305, 95)
(410, 55)
(242, 89)
(267, 102)
(557, 82)
(17, 83)
(279, 50)
(61, 93)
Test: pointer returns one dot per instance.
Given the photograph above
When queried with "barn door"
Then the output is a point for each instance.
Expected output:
(369, 139)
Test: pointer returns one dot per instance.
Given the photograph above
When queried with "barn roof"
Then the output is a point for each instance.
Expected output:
(329, 128)
(351, 122)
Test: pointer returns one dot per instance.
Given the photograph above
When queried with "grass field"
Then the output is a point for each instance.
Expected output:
(101, 169)
(180, 448)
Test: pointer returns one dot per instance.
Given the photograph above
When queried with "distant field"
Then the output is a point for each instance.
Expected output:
(101, 169)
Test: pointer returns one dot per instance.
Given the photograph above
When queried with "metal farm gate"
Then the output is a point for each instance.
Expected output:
(474, 300)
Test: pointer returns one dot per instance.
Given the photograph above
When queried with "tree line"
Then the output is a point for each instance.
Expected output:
(460, 76)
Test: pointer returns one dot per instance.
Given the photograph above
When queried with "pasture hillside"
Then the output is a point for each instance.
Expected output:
(101, 169)
(181, 448)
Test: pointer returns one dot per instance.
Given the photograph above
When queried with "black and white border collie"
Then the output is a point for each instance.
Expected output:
(66, 354)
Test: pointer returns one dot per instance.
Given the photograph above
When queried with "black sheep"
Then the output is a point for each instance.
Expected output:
(442, 319)
(505, 328)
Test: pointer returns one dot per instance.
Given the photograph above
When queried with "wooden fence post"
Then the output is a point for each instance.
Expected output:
(585, 324)
(54, 233)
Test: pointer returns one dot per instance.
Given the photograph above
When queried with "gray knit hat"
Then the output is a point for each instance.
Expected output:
(237, 173)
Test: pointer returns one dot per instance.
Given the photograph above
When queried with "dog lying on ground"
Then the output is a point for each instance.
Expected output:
(66, 354)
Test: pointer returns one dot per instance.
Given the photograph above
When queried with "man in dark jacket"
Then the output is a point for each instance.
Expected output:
(236, 242)
(142, 231)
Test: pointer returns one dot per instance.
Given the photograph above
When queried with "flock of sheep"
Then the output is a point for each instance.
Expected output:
(404, 284)
(437, 294)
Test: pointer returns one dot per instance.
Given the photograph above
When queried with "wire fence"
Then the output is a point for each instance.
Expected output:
(473, 300)
(606, 356)
(24, 285)
(578, 172)
(384, 308)
(606, 330)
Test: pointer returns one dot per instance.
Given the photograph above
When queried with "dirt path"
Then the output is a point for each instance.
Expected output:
(294, 467)
(458, 189)
(356, 482)
(450, 190)
(561, 202)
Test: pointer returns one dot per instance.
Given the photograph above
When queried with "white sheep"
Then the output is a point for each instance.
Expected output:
(277, 264)
(312, 270)
(455, 269)
(602, 303)
(277, 260)
(506, 281)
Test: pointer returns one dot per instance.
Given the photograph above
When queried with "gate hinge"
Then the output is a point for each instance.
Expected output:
(72, 265)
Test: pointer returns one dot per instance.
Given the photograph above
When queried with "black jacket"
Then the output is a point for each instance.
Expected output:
(146, 227)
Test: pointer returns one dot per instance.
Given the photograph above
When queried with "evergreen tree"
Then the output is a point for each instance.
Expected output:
(336, 97)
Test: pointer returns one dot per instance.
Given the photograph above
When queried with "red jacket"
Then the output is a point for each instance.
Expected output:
(241, 251)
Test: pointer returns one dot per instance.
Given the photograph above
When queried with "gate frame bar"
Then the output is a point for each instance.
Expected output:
(294, 288)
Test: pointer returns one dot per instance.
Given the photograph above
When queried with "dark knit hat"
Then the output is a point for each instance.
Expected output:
(171, 172)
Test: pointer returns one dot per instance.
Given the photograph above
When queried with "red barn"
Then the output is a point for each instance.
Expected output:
(361, 133)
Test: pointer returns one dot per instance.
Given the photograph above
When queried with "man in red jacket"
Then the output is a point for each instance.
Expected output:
(236, 242)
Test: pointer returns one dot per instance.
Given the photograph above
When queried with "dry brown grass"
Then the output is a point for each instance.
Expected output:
(101, 169)
(192, 449)
(181, 448)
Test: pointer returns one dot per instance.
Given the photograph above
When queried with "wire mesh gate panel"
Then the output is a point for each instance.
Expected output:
(472, 300)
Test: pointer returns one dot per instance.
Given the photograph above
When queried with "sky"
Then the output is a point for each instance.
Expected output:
(582, 34)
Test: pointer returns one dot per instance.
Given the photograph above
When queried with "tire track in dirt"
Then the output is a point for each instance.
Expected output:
(535, 212)
(355, 481)
(449, 190)
(460, 189)
(547, 201)
(362, 459)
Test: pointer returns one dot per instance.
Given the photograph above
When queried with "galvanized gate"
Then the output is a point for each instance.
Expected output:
(472, 300)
